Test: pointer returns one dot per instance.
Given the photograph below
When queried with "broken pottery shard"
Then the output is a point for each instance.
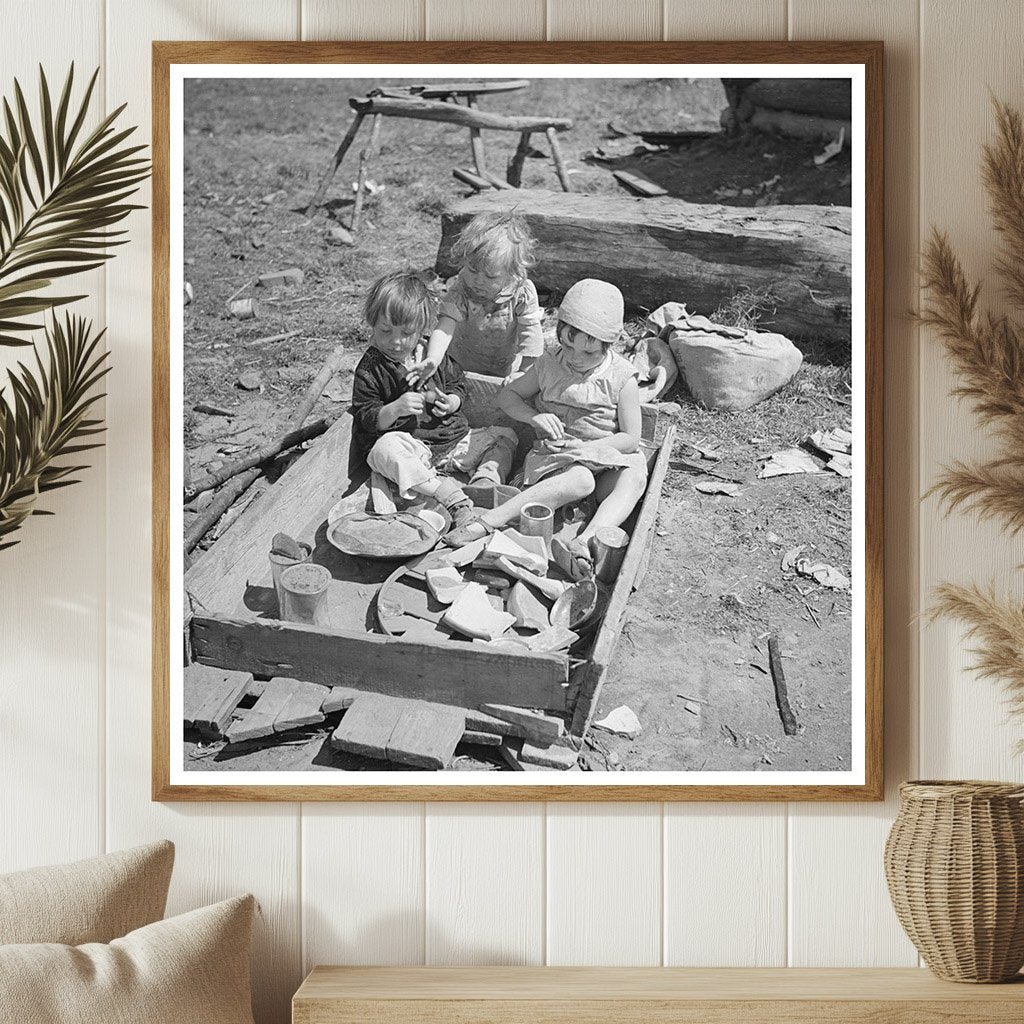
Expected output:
(788, 462)
(557, 638)
(472, 614)
(552, 589)
(286, 547)
(468, 552)
(530, 611)
(499, 545)
(833, 442)
(622, 721)
(822, 573)
(790, 557)
(716, 487)
(841, 464)
(445, 584)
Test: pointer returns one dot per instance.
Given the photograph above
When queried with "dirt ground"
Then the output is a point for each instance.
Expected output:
(692, 661)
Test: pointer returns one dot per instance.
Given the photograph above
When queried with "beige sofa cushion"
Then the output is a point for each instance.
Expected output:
(190, 969)
(92, 900)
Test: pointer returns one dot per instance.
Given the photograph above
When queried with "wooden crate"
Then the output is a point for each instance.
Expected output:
(232, 603)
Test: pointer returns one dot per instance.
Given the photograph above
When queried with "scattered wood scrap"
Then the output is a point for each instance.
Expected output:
(640, 185)
(211, 696)
(781, 694)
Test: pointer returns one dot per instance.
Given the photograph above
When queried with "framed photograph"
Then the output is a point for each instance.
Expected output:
(517, 421)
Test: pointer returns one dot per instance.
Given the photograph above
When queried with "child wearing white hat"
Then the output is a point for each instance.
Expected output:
(583, 401)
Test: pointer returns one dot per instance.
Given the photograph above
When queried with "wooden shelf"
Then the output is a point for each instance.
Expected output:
(629, 995)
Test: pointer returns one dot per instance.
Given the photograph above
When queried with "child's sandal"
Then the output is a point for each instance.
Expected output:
(476, 529)
(573, 557)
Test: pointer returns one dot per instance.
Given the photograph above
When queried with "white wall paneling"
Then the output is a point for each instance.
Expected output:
(835, 852)
(963, 724)
(510, 883)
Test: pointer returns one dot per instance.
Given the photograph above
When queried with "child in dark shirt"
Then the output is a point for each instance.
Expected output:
(413, 435)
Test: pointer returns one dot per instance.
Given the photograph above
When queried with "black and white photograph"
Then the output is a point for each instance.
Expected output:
(518, 419)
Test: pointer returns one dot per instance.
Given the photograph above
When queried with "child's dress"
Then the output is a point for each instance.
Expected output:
(489, 339)
(587, 404)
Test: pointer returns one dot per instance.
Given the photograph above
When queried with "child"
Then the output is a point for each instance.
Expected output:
(584, 403)
(412, 436)
(489, 322)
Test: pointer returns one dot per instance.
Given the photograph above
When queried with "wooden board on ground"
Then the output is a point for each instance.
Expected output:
(404, 732)
(445, 673)
(640, 185)
(589, 678)
(258, 721)
(542, 728)
(664, 249)
(302, 707)
(210, 696)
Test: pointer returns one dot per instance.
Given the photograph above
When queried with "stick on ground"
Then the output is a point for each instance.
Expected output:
(230, 493)
(779, 679)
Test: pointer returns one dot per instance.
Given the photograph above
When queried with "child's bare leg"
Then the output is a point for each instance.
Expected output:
(495, 464)
(617, 491)
(556, 490)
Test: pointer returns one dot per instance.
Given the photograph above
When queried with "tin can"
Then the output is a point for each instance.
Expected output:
(609, 548)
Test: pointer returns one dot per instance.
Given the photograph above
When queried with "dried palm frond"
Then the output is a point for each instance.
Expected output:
(992, 490)
(997, 627)
(47, 419)
(61, 193)
(1003, 173)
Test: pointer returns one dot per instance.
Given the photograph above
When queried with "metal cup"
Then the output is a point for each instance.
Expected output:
(305, 593)
(537, 520)
(278, 563)
(609, 549)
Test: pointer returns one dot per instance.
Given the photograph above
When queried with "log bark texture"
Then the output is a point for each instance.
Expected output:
(826, 97)
(660, 250)
(468, 117)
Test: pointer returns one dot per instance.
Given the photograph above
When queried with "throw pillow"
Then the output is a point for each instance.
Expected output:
(92, 900)
(190, 969)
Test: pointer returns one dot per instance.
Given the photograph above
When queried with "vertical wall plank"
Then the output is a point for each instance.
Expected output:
(725, 885)
(485, 884)
(223, 849)
(485, 19)
(604, 19)
(725, 867)
(383, 19)
(965, 731)
(362, 884)
(604, 883)
(51, 583)
(726, 19)
(840, 912)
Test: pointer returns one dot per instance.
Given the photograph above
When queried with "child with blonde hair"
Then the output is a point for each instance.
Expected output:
(414, 436)
(490, 320)
(583, 401)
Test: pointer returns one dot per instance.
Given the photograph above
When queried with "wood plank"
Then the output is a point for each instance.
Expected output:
(302, 707)
(605, 883)
(259, 720)
(297, 505)
(426, 735)
(667, 247)
(639, 184)
(485, 879)
(604, 19)
(543, 728)
(650, 985)
(590, 677)
(338, 698)
(523, 995)
(211, 695)
(366, 727)
(446, 673)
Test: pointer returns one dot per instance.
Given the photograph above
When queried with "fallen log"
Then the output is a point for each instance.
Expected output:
(826, 97)
(234, 489)
(662, 249)
(467, 117)
(799, 126)
(263, 454)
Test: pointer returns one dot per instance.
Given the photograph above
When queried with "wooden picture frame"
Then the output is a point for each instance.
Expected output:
(248, 642)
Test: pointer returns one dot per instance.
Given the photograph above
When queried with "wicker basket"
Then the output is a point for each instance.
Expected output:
(954, 861)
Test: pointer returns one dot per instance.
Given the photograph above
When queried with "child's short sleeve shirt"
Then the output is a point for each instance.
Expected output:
(491, 337)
